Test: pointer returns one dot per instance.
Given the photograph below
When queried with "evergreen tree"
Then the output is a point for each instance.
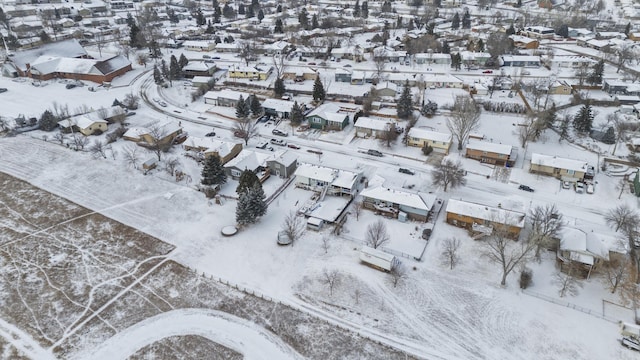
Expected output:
(200, 19)
(260, 15)
(295, 116)
(157, 77)
(303, 18)
(456, 61)
(213, 172)
(445, 47)
(583, 121)
(130, 20)
(251, 205)
(480, 45)
(217, 12)
(174, 69)
(356, 9)
(242, 109)
(550, 117)
(279, 8)
(455, 22)
(246, 181)
(228, 12)
(609, 136)
(257, 200)
(364, 10)
(386, 7)
(314, 22)
(164, 69)
(47, 121)
(627, 29)
(510, 30)
(250, 12)
(241, 10)
(209, 29)
(563, 31)
(466, 20)
(595, 77)
(278, 28)
(244, 216)
(404, 105)
(183, 61)
(134, 36)
(279, 88)
(318, 90)
(256, 108)
(564, 129)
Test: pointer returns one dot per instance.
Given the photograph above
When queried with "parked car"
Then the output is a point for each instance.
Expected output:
(70, 86)
(426, 234)
(213, 133)
(3, 90)
(293, 146)
(525, 188)
(278, 142)
(162, 103)
(590, 189)
(566, 185)
(406, 171)
(264, 118)
(579, 187)
(262, 145)
(374, 153)
(312, 63)
(279, 132)
(630, 343)
(206, 56)
(488, 72)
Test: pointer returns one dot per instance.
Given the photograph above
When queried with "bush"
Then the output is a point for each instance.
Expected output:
(525, 278)
(116, 134)
(427, 150)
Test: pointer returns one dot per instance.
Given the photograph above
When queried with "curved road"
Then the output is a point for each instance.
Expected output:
(242, 336)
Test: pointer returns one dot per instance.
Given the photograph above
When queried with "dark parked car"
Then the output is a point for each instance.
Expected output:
(213, 133)
(525, 188)
(3, 90)
(264, 118)
(374, 153)
(406, 171)
(293, 146)
(426, 234)
(70, 86)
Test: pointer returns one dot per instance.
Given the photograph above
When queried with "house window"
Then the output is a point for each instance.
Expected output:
(235, 173)
(570, 172)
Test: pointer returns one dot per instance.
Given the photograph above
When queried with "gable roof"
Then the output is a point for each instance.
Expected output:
(249, 160)
(416, 200)
(372, 123)
(484, 212)
(420, 133)
(63, 49)
(558, 162)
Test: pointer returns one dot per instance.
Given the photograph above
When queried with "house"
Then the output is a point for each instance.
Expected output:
(440, 142)
(470, 58)
(194, 45)
(277, 108)
(398, 203)
(163, 134)
(387, 89)
(585, 249)
(327, 116)
(224, 97)
(562, 168)
(85, 124)
(432, 58)
(520, 61)
(342, 75)
(571, 61)
(208, 146)
(366, 127)
(627, 99)
(560, 87)
(228, 48)
(198, 81)
(253, 160)
(539, 32)
(247, 72)
(299, 74)
(492, 153)
(613, 87)
(283, 164)
(484, 219)
(355, 53)
(524, 42)
(99, 71)
(580, 32)
(198, 68)
(634, 36)
(327, 180)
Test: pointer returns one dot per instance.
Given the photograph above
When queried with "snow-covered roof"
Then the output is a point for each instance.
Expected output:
(249, 160)
(528, 58)
(484, 212)
(67, 48)
(278, 105)
(316, 172)
(135, 132)
(197, 43)
(371, 123)
(420, 133)
(285, 157)
(416, 200)
(587, 246)
(81, 121)
(558, 162)
(226, 94)
(199, 66)
(328, 111)
(345, 179)
(209, 144)
(489, 147)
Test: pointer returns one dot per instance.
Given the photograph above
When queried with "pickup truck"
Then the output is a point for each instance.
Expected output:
(278, 142)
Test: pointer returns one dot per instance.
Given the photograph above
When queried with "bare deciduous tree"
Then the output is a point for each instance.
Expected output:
(398, 273)
(80, 141)
(506, 252)
(159, 142)
(449, 253)
(131, 155)
(293, 226)
(624, 53)
(389, 136)
(530, 130)
(377, 234)
(171, 164)
(131, 101)
(326, 244)
(331, 278)
(98, 149)
(621, 216)
(616, 271)
(248, 51)
(567, 282)
(279, 64)
(357, 208)
(464, 118)
(59, 137)
(448, 174)
(546, 222)
(246, 128)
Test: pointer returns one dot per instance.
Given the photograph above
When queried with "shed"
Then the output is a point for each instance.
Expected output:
(377, 258)
(315, 223)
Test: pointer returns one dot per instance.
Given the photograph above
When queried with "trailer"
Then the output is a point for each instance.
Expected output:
(630, 330)
(377, 258)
